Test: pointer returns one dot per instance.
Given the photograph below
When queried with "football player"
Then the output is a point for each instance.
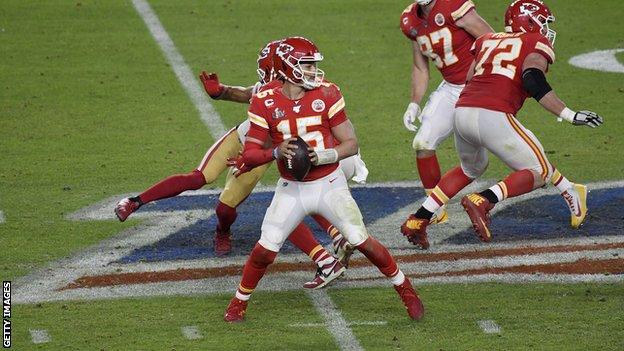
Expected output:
(307, 106)
(238, 188)
(444, 32)
(508, 68)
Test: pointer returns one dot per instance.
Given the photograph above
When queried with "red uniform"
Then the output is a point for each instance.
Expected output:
(497, 81)
(274, 115)
(440, 38)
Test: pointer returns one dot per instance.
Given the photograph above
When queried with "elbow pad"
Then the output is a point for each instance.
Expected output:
(534, 82)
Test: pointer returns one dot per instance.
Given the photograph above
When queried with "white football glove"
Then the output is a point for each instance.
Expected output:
(410, 116)
(581, 118)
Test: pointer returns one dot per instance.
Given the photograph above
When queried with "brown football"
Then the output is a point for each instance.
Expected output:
(299, 165)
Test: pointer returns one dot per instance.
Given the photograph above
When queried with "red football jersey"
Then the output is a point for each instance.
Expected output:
(274, 115)
(497, 81)
(440, 39)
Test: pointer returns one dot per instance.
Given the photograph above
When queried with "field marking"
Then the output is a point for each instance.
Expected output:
(489, 326)
(334, 322)
(603, 60)
(183, 72)
(191, 332)
(39, 336)
(350, 324)
(2, 218)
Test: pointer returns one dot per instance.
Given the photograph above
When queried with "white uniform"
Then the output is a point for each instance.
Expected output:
(478, 130)
(328, 196)
(437, 117)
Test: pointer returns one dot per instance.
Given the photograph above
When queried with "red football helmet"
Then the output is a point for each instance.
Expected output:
(290, 54)
(266, 68)
(530, 16)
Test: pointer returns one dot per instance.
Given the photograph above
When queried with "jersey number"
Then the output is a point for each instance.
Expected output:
(510, 51)
(445, 36)
(302, 130)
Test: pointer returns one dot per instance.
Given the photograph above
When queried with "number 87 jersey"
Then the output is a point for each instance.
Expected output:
(440, 39)
(497, 81)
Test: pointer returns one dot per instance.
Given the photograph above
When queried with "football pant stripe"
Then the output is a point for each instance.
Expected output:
(541, 158)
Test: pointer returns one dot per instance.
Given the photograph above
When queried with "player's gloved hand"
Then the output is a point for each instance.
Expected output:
(239, 166)
(581, 118)
(410, 116)
(211, 84)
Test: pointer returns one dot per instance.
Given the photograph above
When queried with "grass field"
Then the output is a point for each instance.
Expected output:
(90, 108)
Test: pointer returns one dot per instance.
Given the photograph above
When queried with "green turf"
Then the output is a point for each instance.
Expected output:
(90, 109)
(534, 316)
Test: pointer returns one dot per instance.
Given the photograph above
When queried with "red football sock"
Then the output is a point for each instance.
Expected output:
(226, 215)
(173, 186)
(429, 171)
(322, 222)
(257, 263)
(379, 256)
(519, 182)
(451, 183)
(304, 240)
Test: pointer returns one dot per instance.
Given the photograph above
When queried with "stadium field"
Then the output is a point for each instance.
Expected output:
(94, 106)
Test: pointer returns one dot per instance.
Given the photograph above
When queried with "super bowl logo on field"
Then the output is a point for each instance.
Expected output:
(318, 105)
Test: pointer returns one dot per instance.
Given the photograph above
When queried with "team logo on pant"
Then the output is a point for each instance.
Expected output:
(318, 105)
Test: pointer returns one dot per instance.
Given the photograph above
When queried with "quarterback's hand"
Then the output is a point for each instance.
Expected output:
(410, 116)
(239, 166)
(284, 150)
(587, 118)
(211, 84)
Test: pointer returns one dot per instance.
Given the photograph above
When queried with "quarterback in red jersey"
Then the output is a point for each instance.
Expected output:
(508, 68)
(237, 189)
(309, 107)
(442, 31)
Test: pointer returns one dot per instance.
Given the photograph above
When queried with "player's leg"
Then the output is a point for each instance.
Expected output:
(236, 190)
(474, 161)
(516, 146)
(209, 169)
(436, 126)
(334, 202)
(342, 249)
(282, 216)
(575, 196)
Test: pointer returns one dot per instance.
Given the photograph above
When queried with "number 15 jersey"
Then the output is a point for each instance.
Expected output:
(274, 115)
(497, 81)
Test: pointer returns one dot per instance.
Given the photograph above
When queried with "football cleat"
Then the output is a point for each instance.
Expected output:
(125, 207)
(325, 275)
(440, 216)
(478, 209)
(411, 300)
(222, 243)
(342, 249)
(415, 229)
(576, 199)
(235, 312)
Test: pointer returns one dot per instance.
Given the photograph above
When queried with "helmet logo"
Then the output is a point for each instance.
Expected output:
(528, 8)
(283, 49)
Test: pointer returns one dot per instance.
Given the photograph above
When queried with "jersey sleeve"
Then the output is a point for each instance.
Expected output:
(336, 112)
(258, 126)
(459, 8)
(408, 23)
(543, 47)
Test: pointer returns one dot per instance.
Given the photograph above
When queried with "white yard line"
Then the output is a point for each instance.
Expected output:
(183, 72)
(334, 321)
(39, 336)
(489, 326)
(356, 323)
(191, 332)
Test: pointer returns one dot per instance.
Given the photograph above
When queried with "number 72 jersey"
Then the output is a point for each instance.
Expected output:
(497, 81)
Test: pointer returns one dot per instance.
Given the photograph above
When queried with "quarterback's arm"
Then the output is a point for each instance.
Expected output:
(534, 82)
(474, 24)
(348, 146)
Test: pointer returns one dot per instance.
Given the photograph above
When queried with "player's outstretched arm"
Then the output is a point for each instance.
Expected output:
(474, 24)
(420, 81)
(345, 134)
(219, 91)
(534, 82)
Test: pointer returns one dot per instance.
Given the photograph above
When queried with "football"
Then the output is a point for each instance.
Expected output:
(299, 165)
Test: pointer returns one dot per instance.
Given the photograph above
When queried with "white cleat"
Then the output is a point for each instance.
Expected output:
(576, 199)
(325, 275)
(342, 249)
(440, 216)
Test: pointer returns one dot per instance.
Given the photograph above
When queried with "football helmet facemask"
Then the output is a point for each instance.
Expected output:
(530, 16)
(423, 2)
(290, 56)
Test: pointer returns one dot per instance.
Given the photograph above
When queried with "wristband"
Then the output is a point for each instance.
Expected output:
(568, 115)
(326, 156)
(275, 153)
